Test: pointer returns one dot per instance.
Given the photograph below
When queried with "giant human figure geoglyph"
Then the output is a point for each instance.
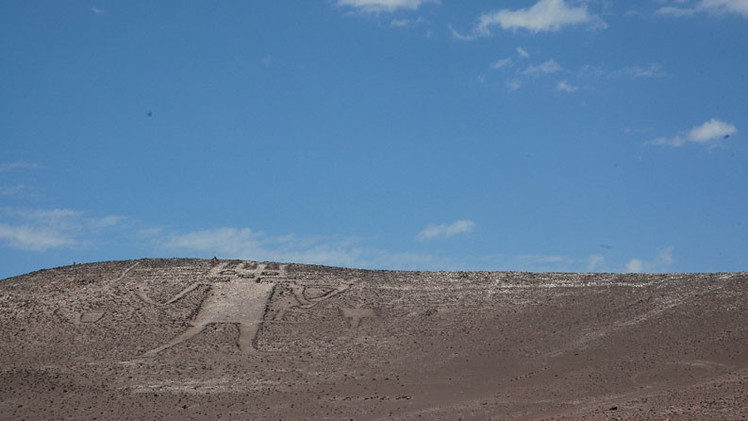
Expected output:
(238, 294)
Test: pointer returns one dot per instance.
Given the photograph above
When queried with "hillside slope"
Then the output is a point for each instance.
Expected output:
(209, 339)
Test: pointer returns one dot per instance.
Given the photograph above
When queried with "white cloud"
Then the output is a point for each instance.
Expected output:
(546, 263)
(18, 165)
(96, 10)
(717, 7)
(664, 258)
(652, 70)
(446, 230)
(376, 6)
(149, 232)
(541, 259)
(590, 71)
(592, 263)
(636, 72)
(595, 262)
(107, 221)
(564, 86)
(53, 216)
(31, 238)
(709, 132)
(459, 36)
(674, 11)
(549, 66)
(635, 266)
(43, 229)
(507, 61)
(225, 241)
(514, 84)
(725, 6)
(545, 15)
(501, 63)
(12, 190)
(244, 243)
(399, 23)
(534, 263)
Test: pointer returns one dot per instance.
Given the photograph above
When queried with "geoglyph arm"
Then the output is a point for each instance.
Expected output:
(305, 302)
(141, 293)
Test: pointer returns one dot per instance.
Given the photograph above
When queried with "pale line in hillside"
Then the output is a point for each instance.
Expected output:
(588, 337)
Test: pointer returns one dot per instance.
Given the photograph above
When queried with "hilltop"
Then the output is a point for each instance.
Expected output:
(229, 339)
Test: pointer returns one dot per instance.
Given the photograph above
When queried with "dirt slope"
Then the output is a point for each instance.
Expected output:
(208, 339)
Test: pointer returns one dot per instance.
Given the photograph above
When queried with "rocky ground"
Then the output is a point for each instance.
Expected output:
(209, 339)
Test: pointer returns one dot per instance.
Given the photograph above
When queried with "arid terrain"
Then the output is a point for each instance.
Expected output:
(209, 339)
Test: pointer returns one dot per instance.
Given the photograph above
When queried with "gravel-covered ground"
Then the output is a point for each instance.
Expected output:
(209, 339)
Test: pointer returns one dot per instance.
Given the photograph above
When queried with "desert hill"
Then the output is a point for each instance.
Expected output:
(210, 339)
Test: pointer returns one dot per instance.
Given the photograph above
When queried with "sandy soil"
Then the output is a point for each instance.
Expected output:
(208, 339)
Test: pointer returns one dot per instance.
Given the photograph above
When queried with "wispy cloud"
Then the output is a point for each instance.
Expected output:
(595, 262)
(446, 230)
(224, 241)
(575, 77)
(534, 263)
(725, 6)
(548, 66)
(714, 7)
(18, 165)
(639, 72)
(96, 10)
(534, 258)
(635, 266)
(12, 190)
(521, 52)
(514, 84)
(547, 263)
(564, 86)
(30, 238)
(675, 11)
(460, 36)
(399, 23)
(43, 229)
(244, 243)
(377, 6)
(501, 63)
(709, 132)
(543, 16)
(635, 71)
(107, 221)
(664, 258)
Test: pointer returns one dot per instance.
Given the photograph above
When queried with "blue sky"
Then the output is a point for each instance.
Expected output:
(542, 135)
